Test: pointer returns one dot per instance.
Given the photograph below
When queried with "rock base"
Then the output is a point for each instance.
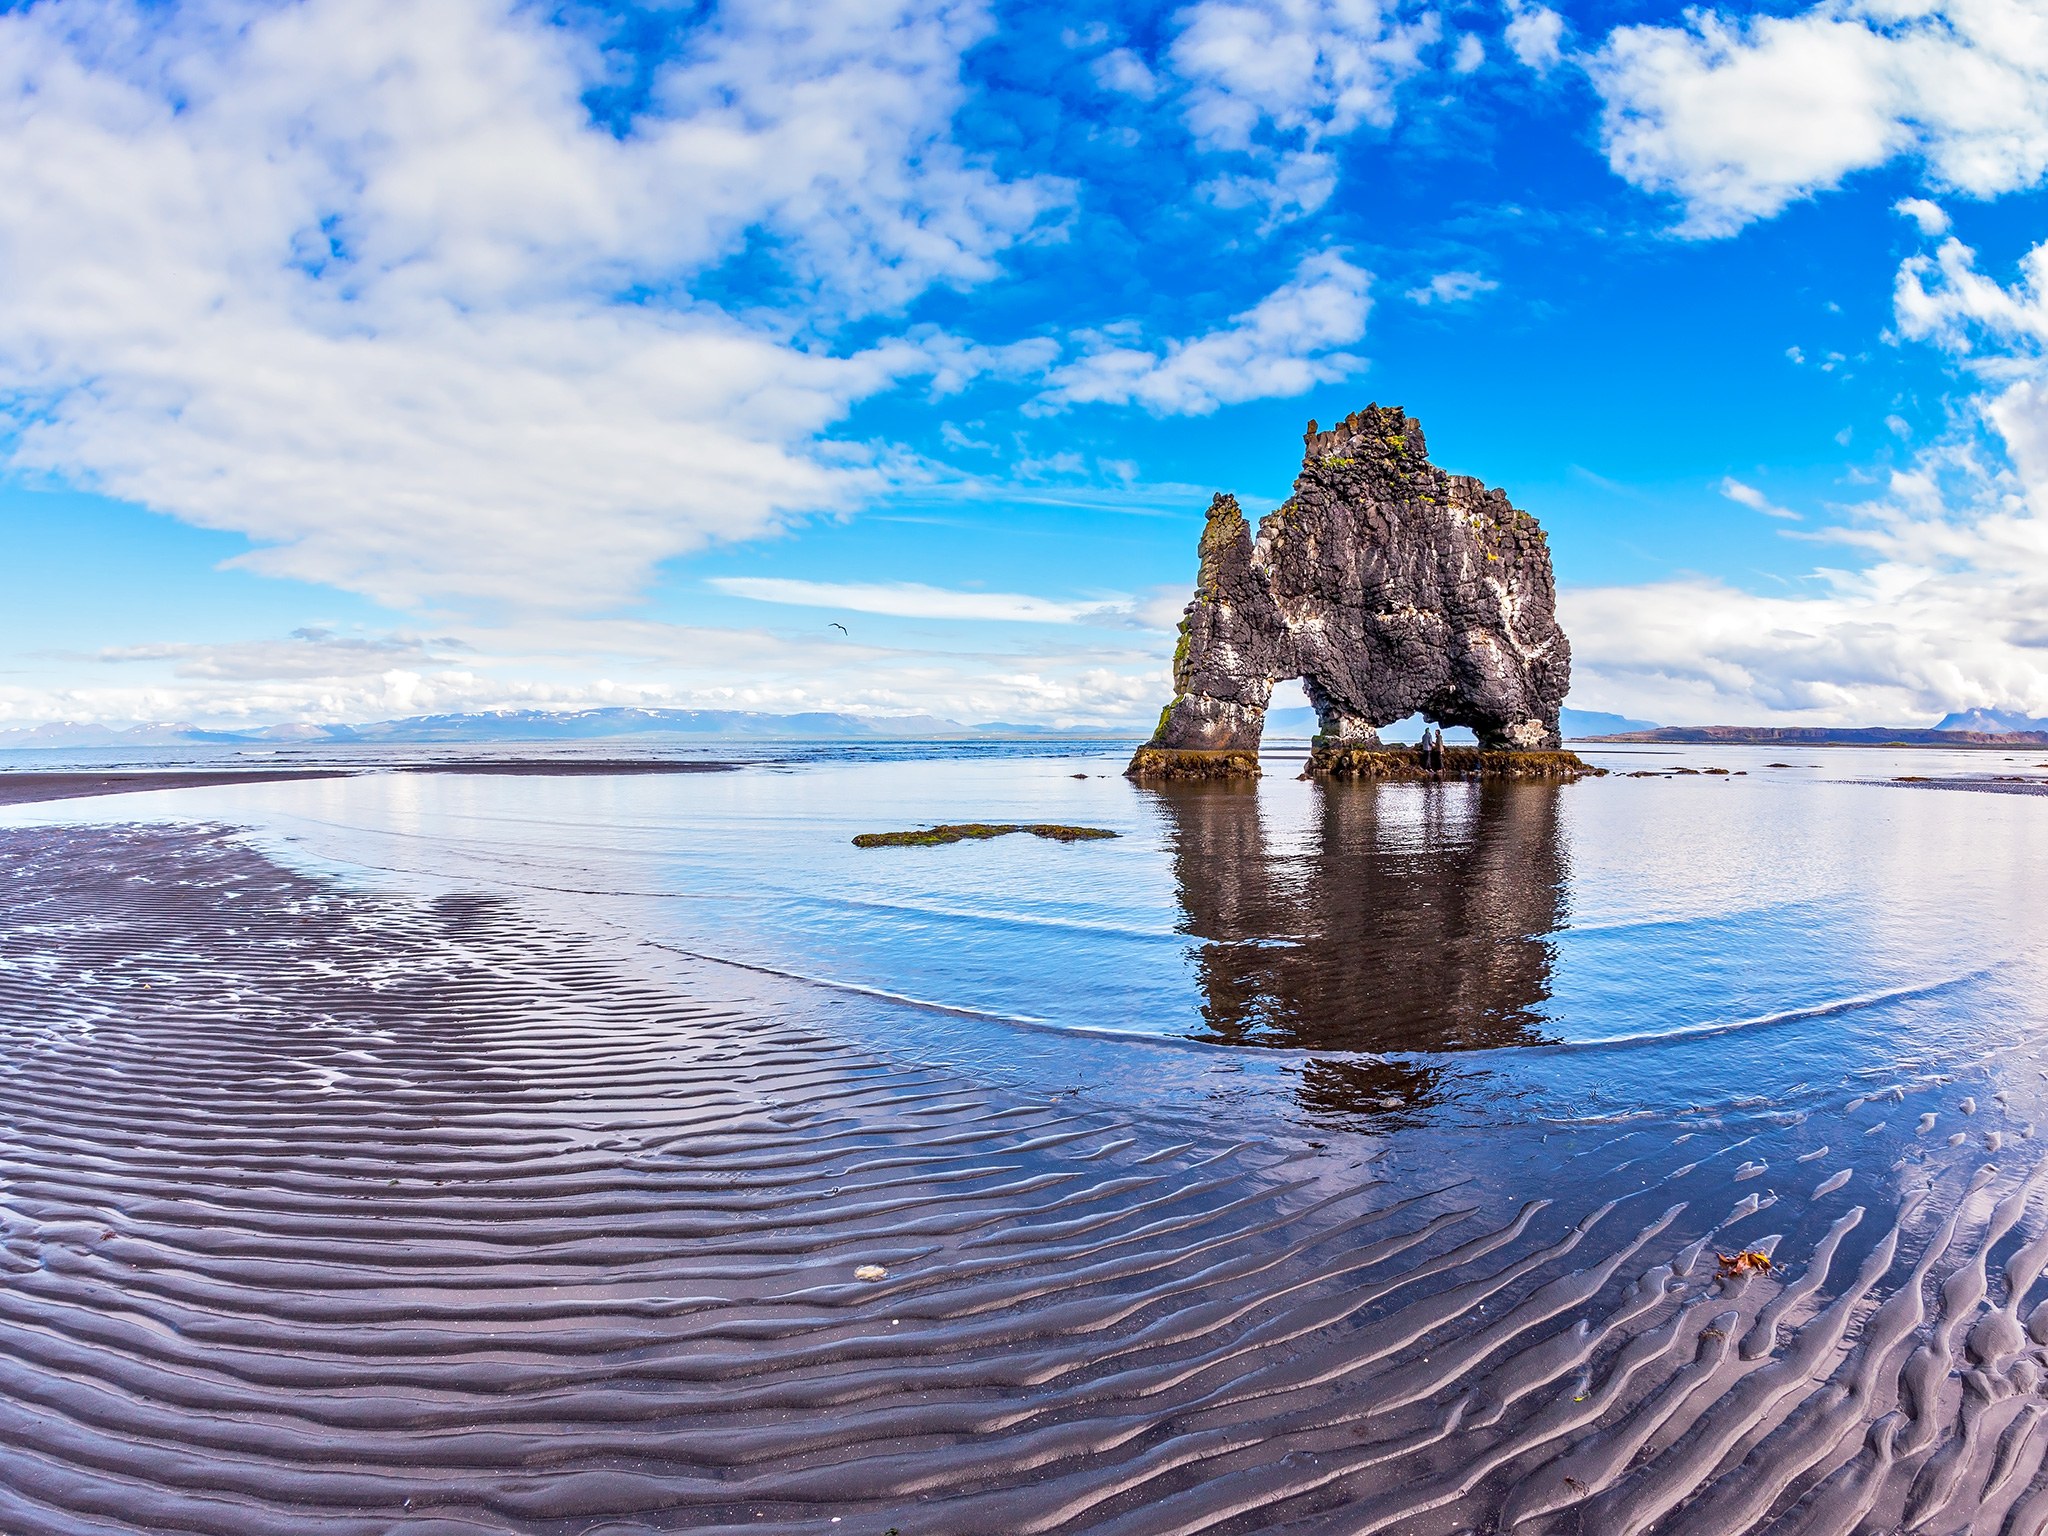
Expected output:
(1398, 763)
(1187, 763)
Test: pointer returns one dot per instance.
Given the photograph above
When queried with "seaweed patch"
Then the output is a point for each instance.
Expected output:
(976, 831)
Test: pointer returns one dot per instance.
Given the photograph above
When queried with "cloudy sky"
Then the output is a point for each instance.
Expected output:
(363, 358)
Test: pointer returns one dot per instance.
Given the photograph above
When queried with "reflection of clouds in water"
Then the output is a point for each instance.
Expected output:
(1400, 918)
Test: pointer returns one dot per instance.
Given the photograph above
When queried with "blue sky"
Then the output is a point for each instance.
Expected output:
(366, 359)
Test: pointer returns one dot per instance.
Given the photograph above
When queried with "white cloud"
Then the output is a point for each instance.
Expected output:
(555, 661)
(305, 653)
(1159, 609)
(1901, 643)
(1163, 608)
(1278, 77)
(1305, 66)
(953, 437)
(2002, 331)
(1535, 34)
(912, 600)
(363, 281)
(1284, 345)
(1452, 288)
(1471, 53)
(1286, 184)
(1947, 613)
(1944, 298)
(1929, 216)
(1737, 118)
(1749, 496)
(1123, 72)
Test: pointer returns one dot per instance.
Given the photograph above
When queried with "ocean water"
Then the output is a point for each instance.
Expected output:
(1368, 953)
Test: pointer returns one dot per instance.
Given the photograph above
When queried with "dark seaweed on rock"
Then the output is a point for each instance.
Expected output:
(1332, 761)
(976, 831)
(346, 1215)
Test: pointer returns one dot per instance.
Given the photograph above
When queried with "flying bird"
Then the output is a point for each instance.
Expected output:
(842, 629)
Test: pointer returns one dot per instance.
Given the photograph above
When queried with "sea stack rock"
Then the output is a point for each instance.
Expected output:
(1391, 588)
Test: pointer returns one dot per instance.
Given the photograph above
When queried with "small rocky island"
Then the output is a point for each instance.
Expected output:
(1390, 588)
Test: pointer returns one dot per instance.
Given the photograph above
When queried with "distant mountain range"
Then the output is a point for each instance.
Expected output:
(1977, 727)
(535, 725)
(1298, 721)
(613, 724)
(1830, 736)
(1579, 724)
(1995, 722)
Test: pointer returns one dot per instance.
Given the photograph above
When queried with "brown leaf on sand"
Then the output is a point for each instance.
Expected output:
(1751, 1261)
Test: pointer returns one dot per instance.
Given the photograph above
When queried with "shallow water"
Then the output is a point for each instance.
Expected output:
(1610, 945)
(1568, 1043)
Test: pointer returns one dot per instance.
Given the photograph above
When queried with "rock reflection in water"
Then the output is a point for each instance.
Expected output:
(1411, 919)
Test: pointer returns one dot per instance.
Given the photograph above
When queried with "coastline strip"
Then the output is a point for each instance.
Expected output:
(33, 786)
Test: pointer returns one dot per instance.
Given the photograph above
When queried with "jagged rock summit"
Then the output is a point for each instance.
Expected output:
(1390, 588)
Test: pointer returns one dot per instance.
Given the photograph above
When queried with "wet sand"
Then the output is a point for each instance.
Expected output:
(339, 1212)
(2007, 785)
(569, 767)
(31, 787)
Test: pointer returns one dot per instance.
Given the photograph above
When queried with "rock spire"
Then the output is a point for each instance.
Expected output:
(1390, 587)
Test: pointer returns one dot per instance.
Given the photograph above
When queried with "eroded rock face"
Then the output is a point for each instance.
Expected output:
(1389, 587)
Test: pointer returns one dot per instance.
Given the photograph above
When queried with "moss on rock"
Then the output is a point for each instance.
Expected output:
(976, 831)
(1330, 761)
(1183, 763)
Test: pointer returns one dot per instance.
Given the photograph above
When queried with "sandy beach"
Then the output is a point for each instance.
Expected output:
(336, 1211)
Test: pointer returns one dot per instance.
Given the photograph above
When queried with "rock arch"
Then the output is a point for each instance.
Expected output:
(1389, 587)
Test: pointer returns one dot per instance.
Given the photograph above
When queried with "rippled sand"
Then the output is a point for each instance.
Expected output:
(324, 1211)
